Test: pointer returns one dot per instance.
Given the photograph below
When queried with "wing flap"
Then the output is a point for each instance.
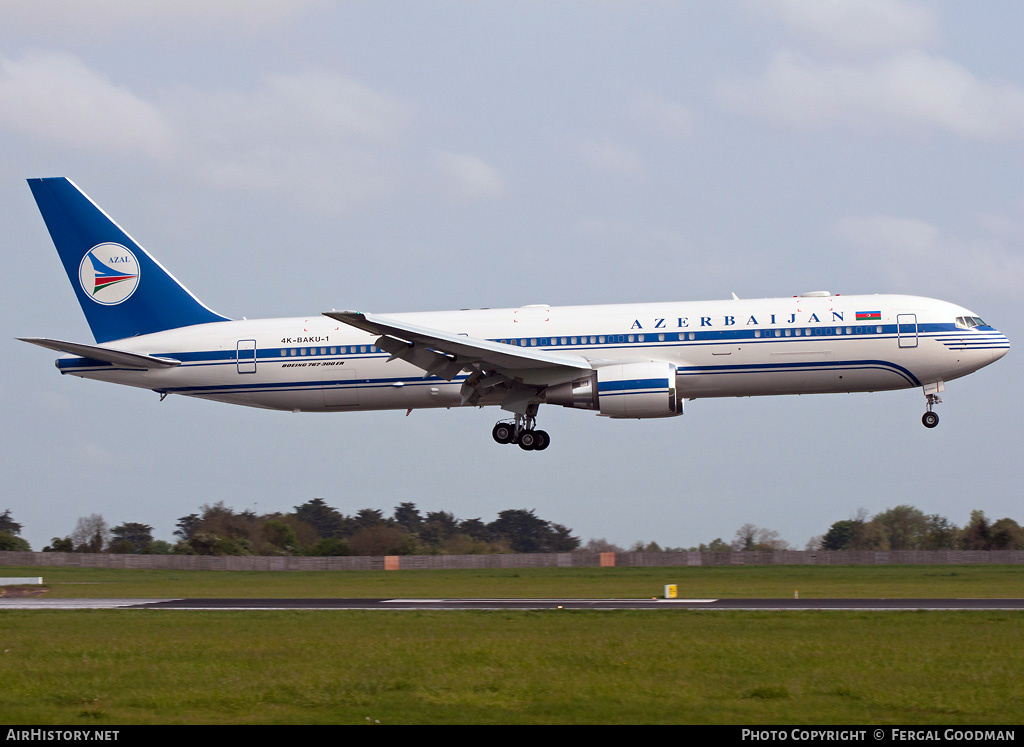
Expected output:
(107, 355)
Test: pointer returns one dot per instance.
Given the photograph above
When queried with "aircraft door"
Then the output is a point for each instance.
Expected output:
(339, 387)
(906, 330)
(245, 356)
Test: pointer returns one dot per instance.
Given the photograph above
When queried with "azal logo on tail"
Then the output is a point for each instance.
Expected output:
(109, 274)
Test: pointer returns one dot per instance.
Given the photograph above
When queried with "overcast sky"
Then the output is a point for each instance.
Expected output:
(283, 158)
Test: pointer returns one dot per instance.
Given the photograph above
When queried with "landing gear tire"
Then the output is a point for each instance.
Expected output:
(528, 440)
(503, 433)
(543, 440)
(930, 419)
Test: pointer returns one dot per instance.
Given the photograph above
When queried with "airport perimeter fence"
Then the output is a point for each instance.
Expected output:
(521, 560)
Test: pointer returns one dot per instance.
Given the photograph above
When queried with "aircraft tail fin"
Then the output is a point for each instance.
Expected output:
(123, 291)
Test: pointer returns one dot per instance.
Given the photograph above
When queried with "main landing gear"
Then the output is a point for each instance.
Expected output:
(521, 431)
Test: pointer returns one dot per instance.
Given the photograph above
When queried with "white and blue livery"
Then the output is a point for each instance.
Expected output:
(621, 361)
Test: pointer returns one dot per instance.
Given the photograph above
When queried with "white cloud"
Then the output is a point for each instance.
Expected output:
(326, 139)
(901, 239)
(323, 138)
(914, 253)
(639, 236)
(856, 25)
(663, 116)
(309, 108)
(902, 92)
(1002, 227)
(610, 157)
(55, 97)
(324, 104)
(469, 176)
(105, 18)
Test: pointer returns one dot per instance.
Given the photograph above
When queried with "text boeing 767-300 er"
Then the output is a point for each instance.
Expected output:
(621, 361)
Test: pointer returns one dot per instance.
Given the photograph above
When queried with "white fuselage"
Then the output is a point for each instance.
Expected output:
(728, 348)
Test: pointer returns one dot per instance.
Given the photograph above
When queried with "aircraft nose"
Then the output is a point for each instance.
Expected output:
(1002, 345)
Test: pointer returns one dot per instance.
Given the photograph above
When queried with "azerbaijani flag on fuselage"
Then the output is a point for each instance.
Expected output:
(869, 316)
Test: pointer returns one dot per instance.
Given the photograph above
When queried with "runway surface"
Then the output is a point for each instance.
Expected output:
(516, 604)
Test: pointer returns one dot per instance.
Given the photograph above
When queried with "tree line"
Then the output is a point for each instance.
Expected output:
(903, 527)
(907, 528)
(313, 528)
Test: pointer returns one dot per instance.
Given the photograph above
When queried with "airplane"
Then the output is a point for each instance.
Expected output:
(620, 361)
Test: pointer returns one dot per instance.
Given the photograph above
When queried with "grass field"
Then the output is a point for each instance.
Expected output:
(422, 667)
(812, 582)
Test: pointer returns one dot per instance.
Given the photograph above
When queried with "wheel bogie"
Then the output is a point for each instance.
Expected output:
(521, 432)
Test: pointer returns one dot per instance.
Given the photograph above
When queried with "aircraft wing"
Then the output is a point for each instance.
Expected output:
(496, 354)
(521, 373)
(107, 355)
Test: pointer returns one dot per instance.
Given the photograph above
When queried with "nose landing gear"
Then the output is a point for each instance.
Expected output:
(931, 394)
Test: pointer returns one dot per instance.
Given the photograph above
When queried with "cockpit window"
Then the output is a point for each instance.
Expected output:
(968, 322)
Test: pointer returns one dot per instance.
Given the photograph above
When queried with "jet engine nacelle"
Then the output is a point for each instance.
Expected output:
(642, 389)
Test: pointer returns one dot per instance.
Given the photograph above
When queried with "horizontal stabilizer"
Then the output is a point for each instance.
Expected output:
(107, 355)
